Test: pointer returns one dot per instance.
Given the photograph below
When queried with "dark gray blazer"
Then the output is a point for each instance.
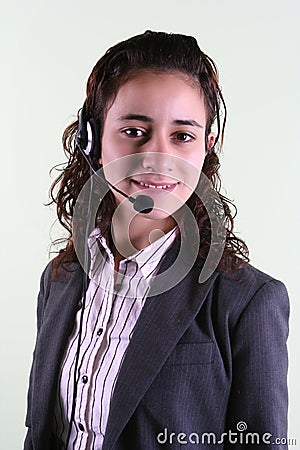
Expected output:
(203, 358)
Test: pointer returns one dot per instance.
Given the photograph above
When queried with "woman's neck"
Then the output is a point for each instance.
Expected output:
(132, 232)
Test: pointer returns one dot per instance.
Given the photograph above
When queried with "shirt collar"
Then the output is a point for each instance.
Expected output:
(147, 259)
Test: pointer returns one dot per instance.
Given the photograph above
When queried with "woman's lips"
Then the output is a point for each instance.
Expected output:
(161, 186)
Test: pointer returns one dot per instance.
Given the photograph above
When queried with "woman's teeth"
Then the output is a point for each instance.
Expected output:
(163, 186)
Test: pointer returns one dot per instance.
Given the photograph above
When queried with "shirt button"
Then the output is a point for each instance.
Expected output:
(81, 427)
(84, 379)
(118, 287)
(99, 331)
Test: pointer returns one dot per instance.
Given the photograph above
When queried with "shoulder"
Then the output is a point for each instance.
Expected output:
(250, 289)
(62, 274)
(54, 289)
(247, 281)
(68, 274)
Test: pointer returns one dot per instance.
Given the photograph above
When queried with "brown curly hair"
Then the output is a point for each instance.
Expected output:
(162, 52)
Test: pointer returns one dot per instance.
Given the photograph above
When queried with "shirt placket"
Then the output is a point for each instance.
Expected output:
(96, 318)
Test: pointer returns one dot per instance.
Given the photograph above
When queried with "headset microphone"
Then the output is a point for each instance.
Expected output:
(88, 140)
(142, 203)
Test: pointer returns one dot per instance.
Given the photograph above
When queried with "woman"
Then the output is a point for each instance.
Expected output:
(171, 339)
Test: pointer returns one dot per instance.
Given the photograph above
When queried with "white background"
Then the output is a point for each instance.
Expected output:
(48, 49)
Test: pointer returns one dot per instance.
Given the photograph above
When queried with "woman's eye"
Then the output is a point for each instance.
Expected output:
(133, 132)
(184, 137)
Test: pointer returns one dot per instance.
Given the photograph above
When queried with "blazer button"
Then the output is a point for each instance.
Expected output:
(81, 427)
(84, 379)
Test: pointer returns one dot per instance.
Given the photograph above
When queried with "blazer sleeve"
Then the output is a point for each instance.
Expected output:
(259, 397)
(42, 296)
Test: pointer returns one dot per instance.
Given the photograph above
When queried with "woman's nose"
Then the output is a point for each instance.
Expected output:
(157, 156)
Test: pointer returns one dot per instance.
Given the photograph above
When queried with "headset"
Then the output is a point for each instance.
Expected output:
(88, 134)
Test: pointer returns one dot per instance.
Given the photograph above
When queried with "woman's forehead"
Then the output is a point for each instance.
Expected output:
(157, 92)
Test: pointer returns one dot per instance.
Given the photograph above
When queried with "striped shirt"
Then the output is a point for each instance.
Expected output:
(111, 311)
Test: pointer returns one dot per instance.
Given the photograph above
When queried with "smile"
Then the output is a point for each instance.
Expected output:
(152, 185)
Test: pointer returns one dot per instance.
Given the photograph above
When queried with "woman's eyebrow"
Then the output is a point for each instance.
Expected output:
(139, 117)
(190, 122)
(143, 118)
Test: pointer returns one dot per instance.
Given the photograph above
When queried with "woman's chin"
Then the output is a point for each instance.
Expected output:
(157, 214)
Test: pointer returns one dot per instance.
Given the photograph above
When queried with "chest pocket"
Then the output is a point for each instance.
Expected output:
(190, 354)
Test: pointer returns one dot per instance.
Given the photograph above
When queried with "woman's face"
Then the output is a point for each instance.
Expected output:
(153, 140)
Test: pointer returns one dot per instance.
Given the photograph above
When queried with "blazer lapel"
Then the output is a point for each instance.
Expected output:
(163, 321)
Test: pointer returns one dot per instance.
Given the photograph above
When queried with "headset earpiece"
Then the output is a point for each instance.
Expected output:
(88, 134)
(95, 147)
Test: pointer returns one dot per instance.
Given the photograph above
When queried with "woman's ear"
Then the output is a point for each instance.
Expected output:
(210, 142)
